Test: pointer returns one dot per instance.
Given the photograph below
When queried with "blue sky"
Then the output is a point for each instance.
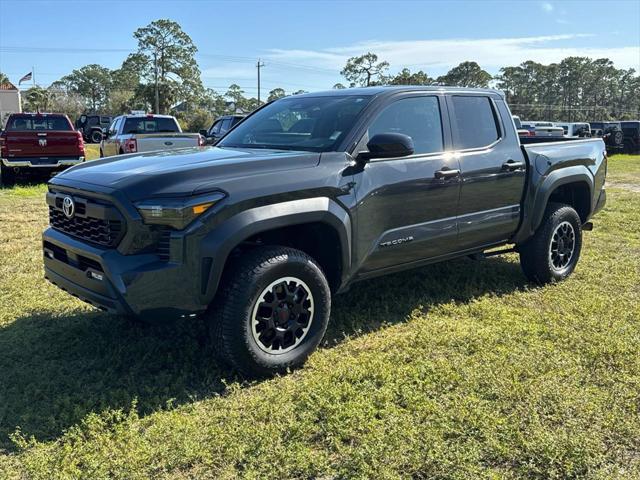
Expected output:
(305, 43)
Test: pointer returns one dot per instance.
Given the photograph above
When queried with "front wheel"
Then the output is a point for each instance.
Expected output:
(271, 312)
(554, 250)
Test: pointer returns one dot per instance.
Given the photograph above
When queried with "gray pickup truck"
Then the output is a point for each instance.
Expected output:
(145, 133)
(308, 195)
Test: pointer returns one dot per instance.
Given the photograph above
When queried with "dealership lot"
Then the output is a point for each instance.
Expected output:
(456, 370)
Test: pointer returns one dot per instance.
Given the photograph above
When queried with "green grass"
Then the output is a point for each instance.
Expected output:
(92, 150)
(459, 370)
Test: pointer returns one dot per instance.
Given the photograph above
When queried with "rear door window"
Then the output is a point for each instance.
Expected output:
(417, 117)
(474, 121)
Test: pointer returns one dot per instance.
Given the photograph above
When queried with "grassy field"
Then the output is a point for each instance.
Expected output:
(455, 371)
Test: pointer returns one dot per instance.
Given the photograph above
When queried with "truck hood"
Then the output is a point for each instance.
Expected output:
(183, 172)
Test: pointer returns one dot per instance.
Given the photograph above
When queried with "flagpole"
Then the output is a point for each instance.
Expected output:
(33, 75)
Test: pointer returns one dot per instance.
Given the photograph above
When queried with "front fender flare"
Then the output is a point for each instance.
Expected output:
(219, 243)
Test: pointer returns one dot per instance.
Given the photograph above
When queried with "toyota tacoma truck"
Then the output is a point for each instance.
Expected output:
(38, 143)
(145, 133)
(259, 232)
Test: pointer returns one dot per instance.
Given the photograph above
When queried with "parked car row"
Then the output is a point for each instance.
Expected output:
(617, 136)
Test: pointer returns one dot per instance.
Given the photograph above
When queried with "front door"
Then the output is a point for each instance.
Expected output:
(406, 207)
(109, 145)
(493, 170)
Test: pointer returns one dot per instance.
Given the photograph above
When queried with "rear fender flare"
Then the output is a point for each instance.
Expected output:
(219, 243)
(563, 176)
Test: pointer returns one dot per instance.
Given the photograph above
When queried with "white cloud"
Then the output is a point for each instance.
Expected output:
(547, 7)
(435, 56)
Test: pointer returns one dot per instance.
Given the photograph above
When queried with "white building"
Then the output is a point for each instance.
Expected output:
(9, 101)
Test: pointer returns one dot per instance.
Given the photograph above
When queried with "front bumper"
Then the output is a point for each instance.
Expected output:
(139, 285)
(42, 163)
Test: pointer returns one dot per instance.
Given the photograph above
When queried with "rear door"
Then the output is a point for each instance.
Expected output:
(406, 209)
(493, 170)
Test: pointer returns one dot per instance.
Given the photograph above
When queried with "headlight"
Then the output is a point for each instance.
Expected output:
(176, 212)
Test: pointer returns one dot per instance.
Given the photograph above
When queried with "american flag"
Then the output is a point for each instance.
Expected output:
(26, 78)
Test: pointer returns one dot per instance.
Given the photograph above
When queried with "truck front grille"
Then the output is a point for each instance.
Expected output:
(94, 222)
(163, 248)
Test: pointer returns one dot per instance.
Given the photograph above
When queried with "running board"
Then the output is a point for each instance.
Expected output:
(482, 255)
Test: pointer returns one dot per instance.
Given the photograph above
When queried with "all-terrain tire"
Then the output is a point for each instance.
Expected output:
(554, 250)
(247, 313)
(618, 139)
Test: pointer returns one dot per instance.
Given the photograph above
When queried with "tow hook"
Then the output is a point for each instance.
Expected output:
(587, 226)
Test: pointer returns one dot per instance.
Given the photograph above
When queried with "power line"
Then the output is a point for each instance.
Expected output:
(229, 58)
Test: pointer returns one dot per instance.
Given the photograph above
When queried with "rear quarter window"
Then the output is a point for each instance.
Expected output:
(475, 122)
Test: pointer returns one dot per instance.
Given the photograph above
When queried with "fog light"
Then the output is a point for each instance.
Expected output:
(96, 275)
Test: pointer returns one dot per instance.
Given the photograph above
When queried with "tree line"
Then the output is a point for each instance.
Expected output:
(573, 90)
(162, 75)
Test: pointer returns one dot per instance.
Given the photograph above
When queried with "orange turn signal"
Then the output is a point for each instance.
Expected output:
(198, 209)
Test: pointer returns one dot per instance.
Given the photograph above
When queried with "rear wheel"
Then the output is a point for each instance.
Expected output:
(553, 252)
(96, 136)
(271, 312)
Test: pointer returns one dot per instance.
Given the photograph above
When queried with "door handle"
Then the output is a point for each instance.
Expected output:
(511, 165)
(446, 173)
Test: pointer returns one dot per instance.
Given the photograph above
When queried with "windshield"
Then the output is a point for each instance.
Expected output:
(317, 124)
(150, 125)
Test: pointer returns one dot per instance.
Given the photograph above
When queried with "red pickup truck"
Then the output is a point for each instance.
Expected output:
(38, 142)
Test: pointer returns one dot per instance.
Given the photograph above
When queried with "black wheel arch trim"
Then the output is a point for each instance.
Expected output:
(534, 209)
(219, 243)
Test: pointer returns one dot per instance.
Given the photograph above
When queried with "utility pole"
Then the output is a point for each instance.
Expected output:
(259, 65)
(155, 71)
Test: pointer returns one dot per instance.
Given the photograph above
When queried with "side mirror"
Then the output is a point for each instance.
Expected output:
(388, 145)
(204, 133)
(105, 133)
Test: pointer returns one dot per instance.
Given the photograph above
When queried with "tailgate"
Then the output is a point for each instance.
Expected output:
(42, 144)
(549, 132)
(165, 141)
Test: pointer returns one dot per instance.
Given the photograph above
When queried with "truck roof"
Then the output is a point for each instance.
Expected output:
(145, 115)
(391, 89)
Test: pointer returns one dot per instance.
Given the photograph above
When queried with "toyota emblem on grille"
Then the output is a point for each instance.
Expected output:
(68, 207)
